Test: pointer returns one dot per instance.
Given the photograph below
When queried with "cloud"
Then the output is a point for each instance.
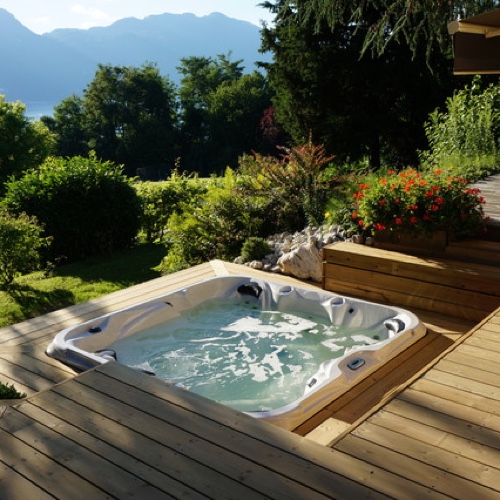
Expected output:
(92, 12)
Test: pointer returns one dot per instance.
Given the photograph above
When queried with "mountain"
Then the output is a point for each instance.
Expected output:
(54, 65)
(35, 67)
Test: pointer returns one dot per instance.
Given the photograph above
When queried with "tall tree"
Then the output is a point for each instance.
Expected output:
(131, 116)
(201, 77)
(235, 110)
(422, 24)
(68, 124)
(358, 104)
(23, 144)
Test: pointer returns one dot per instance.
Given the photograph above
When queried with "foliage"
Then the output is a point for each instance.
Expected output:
(421, 25)
(235, 110)
(69, 128)
(10, 392)
(130, 116)
(159, 200)
(418, 203)
(372, 106)
(255, 248)
(298, 186)
(23, 144)
(213, 226)
(466, 135)
(87, 206)
(20, 242)
(220, 112)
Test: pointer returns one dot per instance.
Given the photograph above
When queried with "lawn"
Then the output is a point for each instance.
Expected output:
(36, 294)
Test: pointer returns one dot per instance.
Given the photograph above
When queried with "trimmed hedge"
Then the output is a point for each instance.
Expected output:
(88, 207)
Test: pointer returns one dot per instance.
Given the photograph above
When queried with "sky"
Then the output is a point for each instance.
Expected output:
(42, 16)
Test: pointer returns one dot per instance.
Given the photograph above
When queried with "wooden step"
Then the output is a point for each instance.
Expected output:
(480, 251)
(461, 289)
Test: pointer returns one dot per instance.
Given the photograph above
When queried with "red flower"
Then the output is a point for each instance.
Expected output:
(382, 203)
(379, 227)
(398, 221)
(414, 220)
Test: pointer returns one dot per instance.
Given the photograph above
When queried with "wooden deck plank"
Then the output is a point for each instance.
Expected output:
(14, 485)
(477, 425)
(485, 390)
(153, 463)
(184, 446)
(409, 292)
(271, 445)
(453, 273)
(43, 470)
(478, 374)
(471, 348)
(464, 359)
(77, 460)
(414, 479)
(245, 454)
(453, 395)
(448, 473)
(440, 437)
(30, 369)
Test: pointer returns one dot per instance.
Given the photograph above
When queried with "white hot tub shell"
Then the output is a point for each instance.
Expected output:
(87, 345)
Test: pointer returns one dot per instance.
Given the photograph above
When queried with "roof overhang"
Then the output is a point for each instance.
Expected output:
(476, 44)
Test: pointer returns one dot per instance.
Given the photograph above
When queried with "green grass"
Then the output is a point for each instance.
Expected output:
(36, 294)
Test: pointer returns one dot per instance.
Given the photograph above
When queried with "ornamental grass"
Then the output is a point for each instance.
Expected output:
(418, 203)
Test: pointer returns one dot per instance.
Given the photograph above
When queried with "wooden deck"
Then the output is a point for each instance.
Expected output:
(490, 190)
(443, 431)
(427, 425)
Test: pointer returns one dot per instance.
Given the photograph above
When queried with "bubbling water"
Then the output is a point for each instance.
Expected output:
(233, 352)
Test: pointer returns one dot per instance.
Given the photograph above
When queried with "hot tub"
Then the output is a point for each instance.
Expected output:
(271, 350)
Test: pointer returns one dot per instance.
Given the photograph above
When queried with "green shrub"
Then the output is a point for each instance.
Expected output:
(298, 186)
(159, 200)
(213, 226)
(20, 242)
(10, 392)
(255, 248)
(87, 206)
(464, 138)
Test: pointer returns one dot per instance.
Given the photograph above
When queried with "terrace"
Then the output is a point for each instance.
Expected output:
(426, 425)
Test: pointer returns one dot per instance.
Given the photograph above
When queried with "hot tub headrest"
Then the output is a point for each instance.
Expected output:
(252, 289)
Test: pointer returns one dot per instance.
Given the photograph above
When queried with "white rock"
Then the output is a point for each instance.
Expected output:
(256, 264)
(305, 262)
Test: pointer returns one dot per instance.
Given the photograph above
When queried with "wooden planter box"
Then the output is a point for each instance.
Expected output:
(434, 242)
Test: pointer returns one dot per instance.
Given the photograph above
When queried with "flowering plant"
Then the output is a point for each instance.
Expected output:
(419, 202)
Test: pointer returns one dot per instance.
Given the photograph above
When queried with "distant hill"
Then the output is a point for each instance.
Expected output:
(55, 65)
